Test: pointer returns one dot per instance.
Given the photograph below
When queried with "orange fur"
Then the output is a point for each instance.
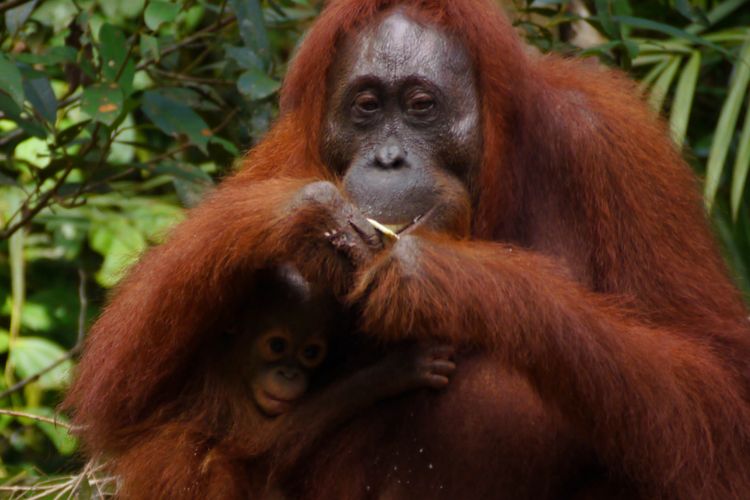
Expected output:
(612, 352)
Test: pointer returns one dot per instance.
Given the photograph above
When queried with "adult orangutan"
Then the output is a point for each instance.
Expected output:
(548, 228)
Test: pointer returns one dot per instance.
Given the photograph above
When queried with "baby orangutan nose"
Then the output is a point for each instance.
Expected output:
(288, 373)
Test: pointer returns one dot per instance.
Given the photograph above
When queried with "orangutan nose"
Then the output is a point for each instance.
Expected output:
(390, 154)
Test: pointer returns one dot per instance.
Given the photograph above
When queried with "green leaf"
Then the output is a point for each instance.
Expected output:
(31, 355)
(721, 11)
(174, 117)
(184, 171)
(71, 132)
(741, 166)
(52, 57)
(113, 50)
(256, 84)
(159, 12)
(252, 27)
(36, 317)
(155, 219)
(150, 47)
(120, 243)
(647, 24)
(727, 124)
(732, 250)
(40, 95)
(694, 14)
(58, 14)
(604, 15)
(244, 57)
(683, 98)
(59, 435)
(10, 81)
(228, 146)
(653, 74)
(13, 112)
(102, 102)
(15, 17)
(663, 83)
(35, 151)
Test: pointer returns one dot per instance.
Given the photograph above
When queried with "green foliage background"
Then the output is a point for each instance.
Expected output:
(116, 115)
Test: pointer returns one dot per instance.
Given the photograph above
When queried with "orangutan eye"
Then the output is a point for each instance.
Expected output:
(277, 345)
(421, 102)
(366, 103)
(274, 345)
(312, 354)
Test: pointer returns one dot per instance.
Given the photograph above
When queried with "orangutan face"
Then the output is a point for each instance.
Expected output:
(402, 126)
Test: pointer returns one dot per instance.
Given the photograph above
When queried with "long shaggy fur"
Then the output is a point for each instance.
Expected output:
(611, 353)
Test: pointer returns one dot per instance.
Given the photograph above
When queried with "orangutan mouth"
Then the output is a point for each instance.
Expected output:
(393, 231)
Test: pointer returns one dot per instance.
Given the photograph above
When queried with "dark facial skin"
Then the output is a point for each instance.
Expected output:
(281, 362)
(282, 339)
(403, 124)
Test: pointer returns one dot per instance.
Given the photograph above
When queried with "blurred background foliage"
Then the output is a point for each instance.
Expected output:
(116, 115)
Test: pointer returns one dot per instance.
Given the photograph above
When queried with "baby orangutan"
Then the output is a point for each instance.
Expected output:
(251, 418)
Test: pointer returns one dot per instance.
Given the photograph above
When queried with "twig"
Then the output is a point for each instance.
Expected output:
(11, 136)
(83, 300)
(39, 418)
(33, 378)
(189, 78)
(221, 23)
(62, 486)
(30, 213)
(158, 158)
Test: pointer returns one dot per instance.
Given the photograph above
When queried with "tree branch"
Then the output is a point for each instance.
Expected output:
(33, 378)
(38, 418)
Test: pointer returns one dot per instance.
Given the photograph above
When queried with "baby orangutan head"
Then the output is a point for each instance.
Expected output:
(283, 360)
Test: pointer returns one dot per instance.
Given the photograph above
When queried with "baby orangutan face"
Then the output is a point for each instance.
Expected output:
(282, 363)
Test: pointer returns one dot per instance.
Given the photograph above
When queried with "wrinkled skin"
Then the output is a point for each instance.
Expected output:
(403, 127)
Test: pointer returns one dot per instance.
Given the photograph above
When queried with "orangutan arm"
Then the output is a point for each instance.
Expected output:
(175, 297)
(663, 407)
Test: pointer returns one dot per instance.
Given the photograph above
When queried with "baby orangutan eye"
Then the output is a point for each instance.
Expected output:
(274, 346)
(277, 345)
(312, 354)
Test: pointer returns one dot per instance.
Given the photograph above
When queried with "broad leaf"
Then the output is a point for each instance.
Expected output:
(256, 84)
(252, 27)
(102, 102)
(15, 17)
(159, 12)
(59, 435)
(40, 95)
(174, 117)
(10, 81)
(30, 355)
(113, 50)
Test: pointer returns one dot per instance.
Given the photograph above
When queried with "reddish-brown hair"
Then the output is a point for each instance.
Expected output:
(591, 273)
